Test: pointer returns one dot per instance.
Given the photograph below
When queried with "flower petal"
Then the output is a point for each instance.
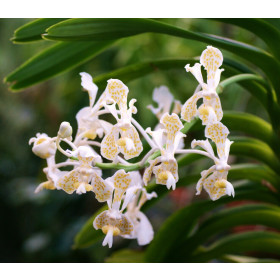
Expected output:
(118, 91)
(204, 144)
(189, 109)
(102, 191)
(164, 99)
(89, 86)
(148, 172)
(218, 133)
(213, 191)
(145, 232)
(212, 59)
(173, 125)
(121, 181)
(109, 148)
(131, 133)
(69, 182)
(196, 71)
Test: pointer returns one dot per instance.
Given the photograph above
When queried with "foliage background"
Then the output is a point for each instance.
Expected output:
(42, 227)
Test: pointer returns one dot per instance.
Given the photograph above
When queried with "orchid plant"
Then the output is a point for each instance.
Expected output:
(96, 139)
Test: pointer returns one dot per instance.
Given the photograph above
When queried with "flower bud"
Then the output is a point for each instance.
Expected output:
(65, 130)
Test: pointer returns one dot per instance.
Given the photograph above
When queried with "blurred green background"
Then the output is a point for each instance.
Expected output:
(41, 228)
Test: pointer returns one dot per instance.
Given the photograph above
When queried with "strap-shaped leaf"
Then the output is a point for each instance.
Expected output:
(182, 222)
(263, 29)
(252, 214)
(250, 124)
(32, 31)
(256, 241)
(256, 149)
(53, 61)
(246, 259)
(105, 29)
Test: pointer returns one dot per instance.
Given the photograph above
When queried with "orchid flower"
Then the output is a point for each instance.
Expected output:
(214, 180)
(164, 98)
(80, 177)
(89, 124)
(123, 137)
(142, 228)
(113, 222)
(167, 171)
(52, 174)
(210, 110)
(43, 146)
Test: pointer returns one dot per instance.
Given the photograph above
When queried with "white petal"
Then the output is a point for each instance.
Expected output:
(171, 182)
(196, 71)
(145, 232)
(157, 136)
(89, 86)
(108, 239)
(130, 194)
(230, 189)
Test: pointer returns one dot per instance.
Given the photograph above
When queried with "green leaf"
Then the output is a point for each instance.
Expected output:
(246, 259)
(250, 124)
(54, 61)
(108, 29)
(182, 222)
(256, 241)
(264, 30)
(126, 256)
(252, 214)
(88, 235)
(32, 31)
(253, 148)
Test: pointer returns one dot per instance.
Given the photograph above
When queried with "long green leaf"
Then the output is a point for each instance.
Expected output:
(264, 30)
(105, 29)
(256, 149)
(250, 124)
(32, 31)
(252, 214)
(181, 223)
(53, 61)
(256, 241)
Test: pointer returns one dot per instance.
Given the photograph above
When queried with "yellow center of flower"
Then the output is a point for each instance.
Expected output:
(40, 141)
(106, 228)
(220, 184)
(121, 142)
(163, 175)
(204, 110)
(90, 134)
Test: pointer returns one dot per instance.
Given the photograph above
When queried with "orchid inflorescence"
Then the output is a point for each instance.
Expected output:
(125, 192)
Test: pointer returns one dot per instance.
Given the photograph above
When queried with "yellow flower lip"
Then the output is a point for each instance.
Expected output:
(115, 230)
(121, 142)
(221, 184)
(163, 175)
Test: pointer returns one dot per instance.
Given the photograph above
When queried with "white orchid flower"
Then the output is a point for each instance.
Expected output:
(83, 174)
(89, 124)
(123, 137)
(164, 98)
(210, 110)
(43, 146)
(52, 174)
(142, 228)
(214, 180)
(167, 171)
(113, 222)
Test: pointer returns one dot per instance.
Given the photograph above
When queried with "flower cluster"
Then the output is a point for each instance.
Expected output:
(124, 192)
